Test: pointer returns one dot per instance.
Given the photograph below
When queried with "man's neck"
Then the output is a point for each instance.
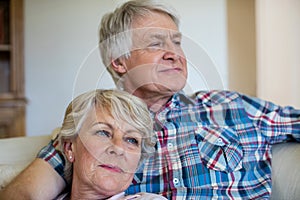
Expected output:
(154, 101)
(156, 105)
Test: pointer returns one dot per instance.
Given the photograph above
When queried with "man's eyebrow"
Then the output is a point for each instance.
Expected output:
(177, 35)
(162, 35)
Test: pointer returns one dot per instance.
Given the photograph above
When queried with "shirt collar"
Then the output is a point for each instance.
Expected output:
(178, 100)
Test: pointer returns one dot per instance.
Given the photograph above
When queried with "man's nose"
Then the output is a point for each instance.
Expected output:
(171, 51)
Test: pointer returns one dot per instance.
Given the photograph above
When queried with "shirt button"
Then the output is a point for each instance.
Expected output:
(170, 145)
(220, 141)
(176, 181)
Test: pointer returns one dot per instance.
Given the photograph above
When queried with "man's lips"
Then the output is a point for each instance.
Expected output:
(173, 69)
(111, 168)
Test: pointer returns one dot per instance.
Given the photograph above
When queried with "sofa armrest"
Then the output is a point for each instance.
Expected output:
(286, 171)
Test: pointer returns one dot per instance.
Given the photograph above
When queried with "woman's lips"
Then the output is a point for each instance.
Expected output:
(112, 168)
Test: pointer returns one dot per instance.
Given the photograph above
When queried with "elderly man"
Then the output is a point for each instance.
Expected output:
(216, 144)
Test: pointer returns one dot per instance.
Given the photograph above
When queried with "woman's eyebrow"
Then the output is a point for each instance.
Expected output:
(103, 123)
(133, 131)
(110, 126)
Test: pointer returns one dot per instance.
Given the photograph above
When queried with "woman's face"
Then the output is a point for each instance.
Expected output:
(106, 153)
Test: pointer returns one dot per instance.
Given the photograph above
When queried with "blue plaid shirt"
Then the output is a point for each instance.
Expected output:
(214, 145)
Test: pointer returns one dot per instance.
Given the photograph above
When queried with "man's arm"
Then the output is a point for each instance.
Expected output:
(37, 181)
(278, 123)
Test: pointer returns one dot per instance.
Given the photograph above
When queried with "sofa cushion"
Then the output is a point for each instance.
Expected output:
(16, 153)
(286, 171)
(8, 172)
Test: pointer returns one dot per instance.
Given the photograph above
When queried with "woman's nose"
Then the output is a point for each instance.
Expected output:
(116, 147)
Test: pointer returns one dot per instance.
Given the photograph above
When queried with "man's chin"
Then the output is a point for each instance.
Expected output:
(157, 89)
(174, 88)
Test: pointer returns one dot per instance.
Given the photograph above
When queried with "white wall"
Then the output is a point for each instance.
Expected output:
(278, 51)
(62, 59)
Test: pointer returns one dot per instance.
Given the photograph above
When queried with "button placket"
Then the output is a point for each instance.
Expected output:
(173, 156)
(170, 146)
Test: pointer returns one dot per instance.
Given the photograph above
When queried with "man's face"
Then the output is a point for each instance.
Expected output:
(157, 64)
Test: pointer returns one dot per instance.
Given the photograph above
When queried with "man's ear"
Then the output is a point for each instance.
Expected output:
(119, 65)
(68, 149)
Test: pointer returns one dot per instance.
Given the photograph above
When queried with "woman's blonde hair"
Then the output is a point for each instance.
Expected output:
(121, 105)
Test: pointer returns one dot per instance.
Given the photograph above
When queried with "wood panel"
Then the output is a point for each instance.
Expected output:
(12, 98)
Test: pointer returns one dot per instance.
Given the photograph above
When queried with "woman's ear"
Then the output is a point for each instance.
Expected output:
(68, 149)
(119, 66)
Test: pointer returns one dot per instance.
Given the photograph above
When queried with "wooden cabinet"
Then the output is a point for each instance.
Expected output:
(12, 97)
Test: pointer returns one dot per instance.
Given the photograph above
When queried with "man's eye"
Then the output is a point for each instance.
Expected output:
(155, 44)
(178, 43)
(132, 141)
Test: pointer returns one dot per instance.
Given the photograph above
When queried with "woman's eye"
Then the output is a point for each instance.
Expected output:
(103, 133)
(132, 141)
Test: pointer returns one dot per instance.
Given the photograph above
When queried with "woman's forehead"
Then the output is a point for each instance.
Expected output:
(106, 116)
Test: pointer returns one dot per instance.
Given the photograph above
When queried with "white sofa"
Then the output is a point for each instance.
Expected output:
(17, 153)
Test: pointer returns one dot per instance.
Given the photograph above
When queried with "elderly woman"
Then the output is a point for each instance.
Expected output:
(105, 136)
